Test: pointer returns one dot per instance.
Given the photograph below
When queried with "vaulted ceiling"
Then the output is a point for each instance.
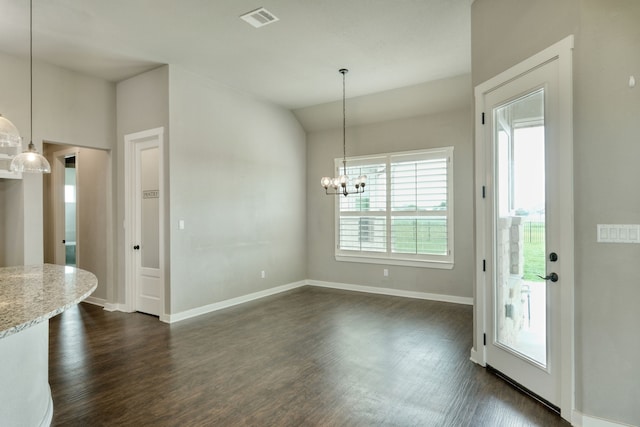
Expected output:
(292, 62)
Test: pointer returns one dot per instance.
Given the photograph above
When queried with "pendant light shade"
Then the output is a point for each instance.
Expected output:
(30, 160)
(9, 135)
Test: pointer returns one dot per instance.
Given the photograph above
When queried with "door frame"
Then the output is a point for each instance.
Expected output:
(131, 285)
(58, 203)
(562, 52)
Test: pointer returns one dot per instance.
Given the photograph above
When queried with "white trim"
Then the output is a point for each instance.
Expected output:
(387, 256)
(130, 141)
(392, 292)
(477, 357)
(109, 306)
(172, 318)
(176, 317)
(95, 301)
(561, 51)
(581, 420)
(444, 265)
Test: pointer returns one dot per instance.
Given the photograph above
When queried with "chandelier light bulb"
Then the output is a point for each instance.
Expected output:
(325, 182)
(344, 180)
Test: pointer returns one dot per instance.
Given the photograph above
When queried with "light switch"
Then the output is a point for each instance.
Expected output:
(618, 233)
(181, 224)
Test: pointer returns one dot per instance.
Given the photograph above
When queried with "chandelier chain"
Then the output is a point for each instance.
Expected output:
(344, 124)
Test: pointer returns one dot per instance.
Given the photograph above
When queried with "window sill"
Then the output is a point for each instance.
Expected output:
(441, 265)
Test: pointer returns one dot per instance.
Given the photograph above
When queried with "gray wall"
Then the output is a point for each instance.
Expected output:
(143, 103)
(238, 181)
(94, 219)
(68, 107)
(446, 128)
(606, 128)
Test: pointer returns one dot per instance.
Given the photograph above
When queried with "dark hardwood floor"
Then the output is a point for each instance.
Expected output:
(309, 357)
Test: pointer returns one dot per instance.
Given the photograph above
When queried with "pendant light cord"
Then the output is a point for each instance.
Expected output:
(31, 72)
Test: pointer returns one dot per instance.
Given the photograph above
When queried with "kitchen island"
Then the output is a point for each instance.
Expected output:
(29, 297)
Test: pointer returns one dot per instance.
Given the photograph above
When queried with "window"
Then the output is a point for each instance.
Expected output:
(405, 215)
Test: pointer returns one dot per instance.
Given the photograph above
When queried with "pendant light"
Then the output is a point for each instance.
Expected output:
(338, 186)
(30, 160)
(9, 135)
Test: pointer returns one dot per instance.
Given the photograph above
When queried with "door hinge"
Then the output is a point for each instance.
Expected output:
(484, 338)
(484, 192)
(484, 265)
(482, 118)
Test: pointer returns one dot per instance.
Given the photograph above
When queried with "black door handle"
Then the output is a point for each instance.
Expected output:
(553, 277)
(136, 247)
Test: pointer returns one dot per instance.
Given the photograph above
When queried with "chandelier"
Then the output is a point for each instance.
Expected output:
(338, 186)
(30, 160)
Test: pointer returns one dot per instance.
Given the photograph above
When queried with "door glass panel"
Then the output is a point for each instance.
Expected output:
(520, 295)
(150, 208)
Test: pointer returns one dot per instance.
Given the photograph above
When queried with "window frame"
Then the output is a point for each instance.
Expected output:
(389, 257)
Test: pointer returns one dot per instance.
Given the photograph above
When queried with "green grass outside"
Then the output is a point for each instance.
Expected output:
(419, 236)
(534, 256)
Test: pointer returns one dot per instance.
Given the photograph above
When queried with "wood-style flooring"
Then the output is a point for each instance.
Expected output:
(308, 357)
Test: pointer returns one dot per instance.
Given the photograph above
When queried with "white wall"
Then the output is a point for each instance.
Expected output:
(445, 128)
(606, 129)
(237, 168)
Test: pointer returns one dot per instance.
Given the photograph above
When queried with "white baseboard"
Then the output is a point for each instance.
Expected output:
(96, 301)
(392, 292)
(108, 306)
(171, 318)
(582, 420)
(477, 357)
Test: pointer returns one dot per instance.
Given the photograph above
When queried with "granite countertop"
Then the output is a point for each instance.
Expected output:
(33, 294)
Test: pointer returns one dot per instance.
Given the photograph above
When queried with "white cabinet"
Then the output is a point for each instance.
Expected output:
(6, 155)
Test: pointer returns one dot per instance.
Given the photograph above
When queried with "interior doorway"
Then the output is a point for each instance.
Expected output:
(77, 217)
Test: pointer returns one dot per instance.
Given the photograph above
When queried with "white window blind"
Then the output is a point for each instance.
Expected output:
(405, 215)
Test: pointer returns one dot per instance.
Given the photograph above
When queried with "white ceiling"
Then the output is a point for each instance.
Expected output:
(293, 62)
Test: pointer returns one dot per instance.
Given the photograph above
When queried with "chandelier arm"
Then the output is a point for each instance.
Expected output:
(343, 192)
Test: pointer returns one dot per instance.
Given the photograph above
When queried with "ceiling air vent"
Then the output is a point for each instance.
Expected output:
(259, 17)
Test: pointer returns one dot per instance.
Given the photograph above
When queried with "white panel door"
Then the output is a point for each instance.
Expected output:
(144, 222)
(147, 221)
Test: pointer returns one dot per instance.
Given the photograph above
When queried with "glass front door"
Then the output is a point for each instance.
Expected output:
(520, 297)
